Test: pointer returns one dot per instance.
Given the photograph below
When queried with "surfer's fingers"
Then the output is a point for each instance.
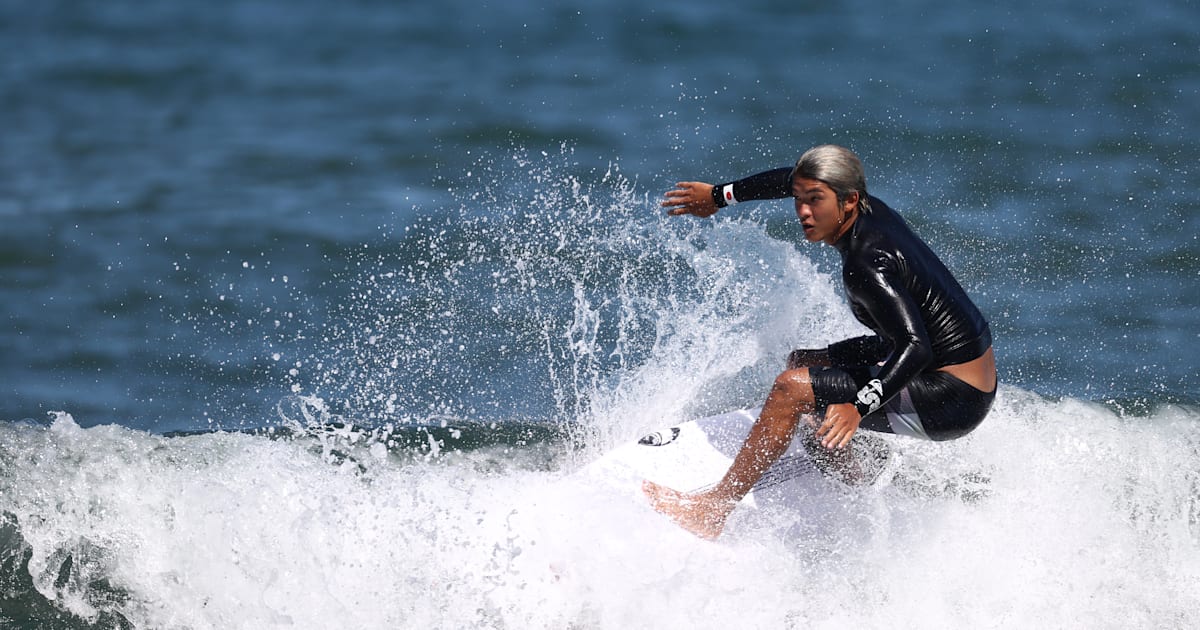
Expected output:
(691, 193)
(831, 420)
(846, 438)
(836, 430)
(681, 205)
(682, 190)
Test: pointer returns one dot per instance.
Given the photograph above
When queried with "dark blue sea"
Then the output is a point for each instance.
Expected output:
(307, 307)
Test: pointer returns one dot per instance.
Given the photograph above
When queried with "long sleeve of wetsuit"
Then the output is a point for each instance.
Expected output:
(877, 289)
(772, 184)
(865, 350)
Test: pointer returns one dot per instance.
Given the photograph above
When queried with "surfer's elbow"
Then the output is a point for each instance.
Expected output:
(918, 352)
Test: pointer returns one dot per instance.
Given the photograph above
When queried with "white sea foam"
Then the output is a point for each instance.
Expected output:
(1089, 520)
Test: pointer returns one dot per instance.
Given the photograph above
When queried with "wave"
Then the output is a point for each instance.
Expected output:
(1089, 519)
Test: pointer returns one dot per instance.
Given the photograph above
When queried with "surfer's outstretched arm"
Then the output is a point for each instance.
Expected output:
(703, 199)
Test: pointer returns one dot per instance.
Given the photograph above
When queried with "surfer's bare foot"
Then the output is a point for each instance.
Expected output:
(699, 513)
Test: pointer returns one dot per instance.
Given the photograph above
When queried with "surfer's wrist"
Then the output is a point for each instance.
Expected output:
(718, 200)
(869, 398)
(722, 195)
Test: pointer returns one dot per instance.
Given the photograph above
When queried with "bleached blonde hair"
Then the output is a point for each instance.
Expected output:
(839, 168)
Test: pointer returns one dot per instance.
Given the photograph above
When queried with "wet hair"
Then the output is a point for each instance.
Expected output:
(838, 168)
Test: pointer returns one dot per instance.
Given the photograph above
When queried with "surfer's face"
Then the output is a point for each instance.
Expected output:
(823, 218)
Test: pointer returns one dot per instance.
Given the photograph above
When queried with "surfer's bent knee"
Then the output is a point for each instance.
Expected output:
(794, 384)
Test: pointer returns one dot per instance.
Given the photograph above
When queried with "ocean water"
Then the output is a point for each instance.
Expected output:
(313, 312)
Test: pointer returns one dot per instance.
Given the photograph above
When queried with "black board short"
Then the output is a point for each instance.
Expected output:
(933, 406)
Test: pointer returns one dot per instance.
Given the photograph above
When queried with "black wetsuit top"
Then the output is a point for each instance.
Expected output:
(897, 287)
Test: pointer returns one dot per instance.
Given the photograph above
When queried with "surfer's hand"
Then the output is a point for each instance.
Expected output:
(841, 421)
(690, 198)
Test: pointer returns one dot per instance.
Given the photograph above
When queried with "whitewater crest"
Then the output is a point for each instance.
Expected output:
(119, 528)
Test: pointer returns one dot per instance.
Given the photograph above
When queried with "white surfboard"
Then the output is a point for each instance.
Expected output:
(696, 454)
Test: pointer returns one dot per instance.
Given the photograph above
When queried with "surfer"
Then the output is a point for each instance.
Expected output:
(928, 372)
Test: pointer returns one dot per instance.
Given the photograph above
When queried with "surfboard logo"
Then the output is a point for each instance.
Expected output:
(660, 438)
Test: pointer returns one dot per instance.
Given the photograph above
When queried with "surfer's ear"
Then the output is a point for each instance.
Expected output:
(851, 202)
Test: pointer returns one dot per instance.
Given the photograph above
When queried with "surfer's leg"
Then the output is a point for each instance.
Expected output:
(701, 513)
(791, 396)
(704, 513)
